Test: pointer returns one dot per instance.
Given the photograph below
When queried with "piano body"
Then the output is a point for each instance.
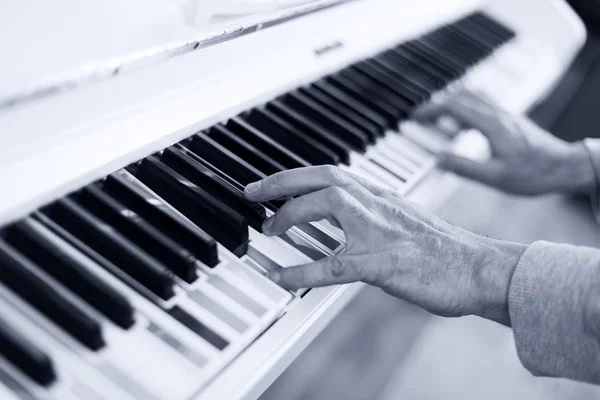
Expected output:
(129, 265)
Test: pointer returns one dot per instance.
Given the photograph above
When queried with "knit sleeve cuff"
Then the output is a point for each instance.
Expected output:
(548, 305)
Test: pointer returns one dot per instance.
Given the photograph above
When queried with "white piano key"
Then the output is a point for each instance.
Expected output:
(6, 393)
(279, 252)
(155, 366)
(367, 174)
(364, 163)
(227, 303)
(220, 311)
(262, 284)
(414, 152)
(389, 165)
(423, 137)
(302, 244)
(76, 378)
(209, 319)
(398, 157)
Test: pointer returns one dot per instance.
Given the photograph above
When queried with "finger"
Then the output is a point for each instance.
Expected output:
(478, 101)
(325, 272)
(470, 113)
(463, 112)
(486, 172)
(333, 204)
(300, 181)
(482, 97)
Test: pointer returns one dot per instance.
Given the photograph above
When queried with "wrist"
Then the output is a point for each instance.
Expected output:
(576, 173)
(492, 277)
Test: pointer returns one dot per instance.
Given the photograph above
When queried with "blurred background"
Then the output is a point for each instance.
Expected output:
(381, 348)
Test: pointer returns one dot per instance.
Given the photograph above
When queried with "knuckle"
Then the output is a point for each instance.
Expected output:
(337, 175)
(336, 267)
(275, 182)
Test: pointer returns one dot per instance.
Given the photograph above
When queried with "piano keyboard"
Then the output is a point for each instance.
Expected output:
(147, 283)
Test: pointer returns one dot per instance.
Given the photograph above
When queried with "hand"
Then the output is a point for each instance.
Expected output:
(525, 158)
(390, 243)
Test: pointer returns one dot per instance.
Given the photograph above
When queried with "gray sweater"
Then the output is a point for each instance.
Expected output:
(554, 305)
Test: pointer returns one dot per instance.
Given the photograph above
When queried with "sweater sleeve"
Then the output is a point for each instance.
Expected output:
(554, 306)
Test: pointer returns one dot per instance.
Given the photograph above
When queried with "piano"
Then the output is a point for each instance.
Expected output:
(131, 267)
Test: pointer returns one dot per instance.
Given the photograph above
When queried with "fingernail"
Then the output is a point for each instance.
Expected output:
(267, 225)
(274, 276)
(252, 187)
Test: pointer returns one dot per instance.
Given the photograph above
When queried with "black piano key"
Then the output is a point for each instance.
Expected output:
(244, 150)
(412, 89)
(227, 226)
(435, 63)
(412, 97)
(26, 355)
(391, 113)
(358, 94)
(411, 70)
(368, 113)
(476, 44)
(475, 29)
(414, 64)
(48, 252)
(284, 156)
(314, 130)
(340, 109)
(279, 129)
(454, 54)
(312, 110)
(18, 275)
(194, 239)
(228, 162)
(198, 328)
(493, 25)
(184, 146)
(468, 43)
(378, 92)
(130, 224)
(405, 78)
(200, 175)
(470, 33)
(112, 245)
(419, 48)
(458, 51)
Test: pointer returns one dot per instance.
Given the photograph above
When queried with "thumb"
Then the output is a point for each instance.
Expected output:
(484, 172)
(327, 271)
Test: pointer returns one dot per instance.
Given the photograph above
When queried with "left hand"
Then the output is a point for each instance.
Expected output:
(391, 243)
(525, 159)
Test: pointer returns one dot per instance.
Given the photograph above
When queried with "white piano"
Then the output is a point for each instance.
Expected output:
(130, 268)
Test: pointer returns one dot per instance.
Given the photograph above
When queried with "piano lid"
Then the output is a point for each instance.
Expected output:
(55, 46)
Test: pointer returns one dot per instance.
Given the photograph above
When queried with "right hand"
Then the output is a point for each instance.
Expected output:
(525, 159)
(390, 243)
